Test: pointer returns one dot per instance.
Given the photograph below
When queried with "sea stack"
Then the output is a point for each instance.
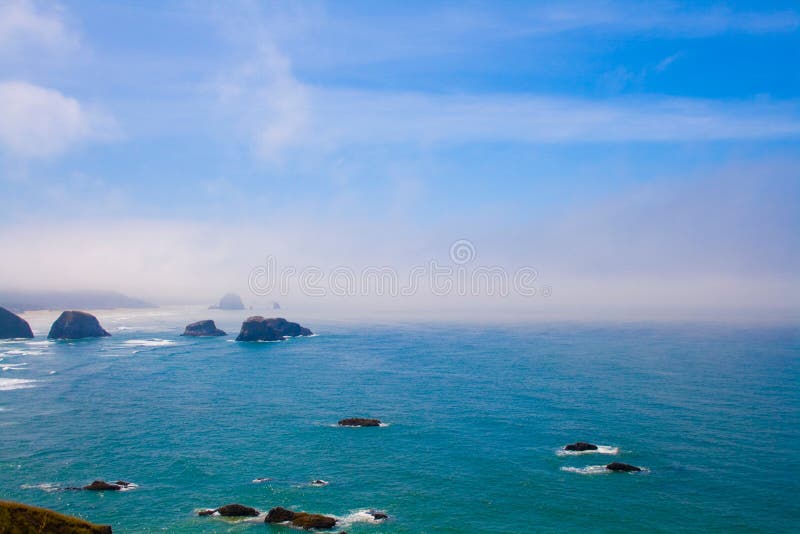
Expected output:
(230, 301)
(13, 326)
(76, 325)
(203, 329)
(257, 328)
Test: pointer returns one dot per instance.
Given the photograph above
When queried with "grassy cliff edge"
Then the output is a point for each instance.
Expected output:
(17, 518)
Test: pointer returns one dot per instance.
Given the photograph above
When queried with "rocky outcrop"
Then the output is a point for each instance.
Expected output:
(359, 421)
(102, 485)
(230, 301)
(203, 329)
(302, 520)
(20, 518)
(232, 510)
(257, 328)
(76, 325)
(13, 326)
(619, 466)
(377, 516)
(580, 447)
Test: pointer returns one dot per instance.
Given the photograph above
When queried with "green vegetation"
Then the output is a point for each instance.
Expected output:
(16, 518)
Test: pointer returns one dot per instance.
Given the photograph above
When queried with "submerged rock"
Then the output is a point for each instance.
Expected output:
(580, 446)
(258, 328)
(202, 329)
(619, 466)
(229, 301)
(76, 325)
(102, 485)
(303, 520)
(16, 517)
(359, 421)
(13, 326)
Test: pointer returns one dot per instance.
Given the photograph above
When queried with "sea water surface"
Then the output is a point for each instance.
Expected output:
(476, 416)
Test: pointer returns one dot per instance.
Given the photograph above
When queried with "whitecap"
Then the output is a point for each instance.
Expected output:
(319, 483)
(148, 342)
(359, 516)
(261, 480)
(601, 449)
(13, 366)
(49, 487)
(588, 470)
(130, 486)
(8, 384)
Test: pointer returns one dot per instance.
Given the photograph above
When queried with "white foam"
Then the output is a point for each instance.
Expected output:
(49, 487)
(588, 470)
(13, 366)
(45, 342)
(8, 384)
(148, 342)
(359, 516)
(601, 449)
(261, 480)
(318, 483)
(129, 487)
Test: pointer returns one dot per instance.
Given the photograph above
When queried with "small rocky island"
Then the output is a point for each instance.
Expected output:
(625, 468)
(359, 421)
(580, 446)
(258, 328)
(76, 325)
(203, 329)
(302, 520)
(13, 326)
(229, 301)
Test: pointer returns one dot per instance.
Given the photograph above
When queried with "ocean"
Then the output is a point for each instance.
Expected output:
(476, 415)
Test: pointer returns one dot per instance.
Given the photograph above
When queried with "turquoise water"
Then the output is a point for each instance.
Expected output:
(475, 417)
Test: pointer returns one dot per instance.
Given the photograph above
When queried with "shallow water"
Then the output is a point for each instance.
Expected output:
(476, 416)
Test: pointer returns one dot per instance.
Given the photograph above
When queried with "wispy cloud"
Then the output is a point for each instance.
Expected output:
(39, 122)
(34, 27)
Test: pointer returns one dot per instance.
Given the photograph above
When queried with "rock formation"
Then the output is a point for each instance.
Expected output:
(619, 466)
(13, 326)
(232, 510)
(303, 520)
(257, 328)
(76, 325)
(230, 301)
(359, 421)
(203, 329)
(580, 446)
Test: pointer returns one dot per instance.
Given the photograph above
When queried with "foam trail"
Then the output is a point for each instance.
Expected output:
(148, 342)
(588, 470)
(8, 384)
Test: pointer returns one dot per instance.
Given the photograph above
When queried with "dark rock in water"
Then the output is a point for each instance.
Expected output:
(257, 328)
(378, 516)
(230, 301)
(13, 326)
(580, 446)
(303, 520)
(21, 518)
(619, 466)
(76, 325)
(202, 329)
(359, 421)
(122, 483)
(231, 510)
(237, 510)
(102, 485)
(309, 521)
(279, 514)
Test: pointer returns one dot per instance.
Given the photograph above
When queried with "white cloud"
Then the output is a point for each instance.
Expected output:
(38, 122)
(25, 26)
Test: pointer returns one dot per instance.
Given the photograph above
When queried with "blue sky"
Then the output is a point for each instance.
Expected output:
(639, 154)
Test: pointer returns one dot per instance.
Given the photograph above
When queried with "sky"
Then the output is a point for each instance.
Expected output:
(641, 158)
